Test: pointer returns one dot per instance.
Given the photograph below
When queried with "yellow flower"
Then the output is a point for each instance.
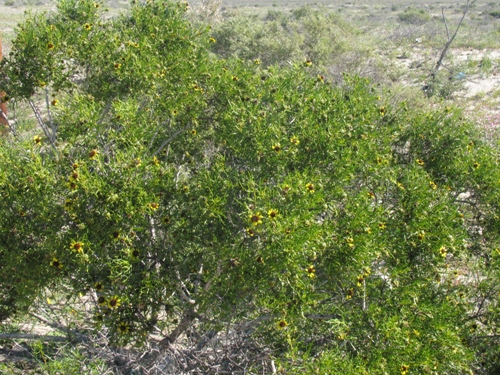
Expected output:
(153, 206)
(370, 195)
(321, 79)
(135, 163)
(50, 45)
(56, 263)
(250, 232)
(433, 185)
(311, 271)
(256, 62)
(382, 110)
(87, 26)
(360, 280)
(114, 303)
(72, 185)
(37, 139)
(117, 66)
(442, 251)
(381, 226)
(134, 253)
(77, 246)
(282, 324)
(476, 165)
(310, 188)
(212, 40)
(156, 161)
(349, 294)
(93, 154)
(123, 328)
(276, 147)
(101, 301)
(54, 102)
(99, 287)
(272, 214)
(294, 141)
(404, 369)
(308, 63)
(350, 241)
(256, 219)
(420, 162)
(285, 190)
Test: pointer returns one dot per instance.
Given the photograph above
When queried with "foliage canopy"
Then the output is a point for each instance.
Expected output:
(178, 189)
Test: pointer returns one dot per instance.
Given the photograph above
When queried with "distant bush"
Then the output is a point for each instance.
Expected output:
(495, 14)
(278, 38)
(414, 16)
(307, 33)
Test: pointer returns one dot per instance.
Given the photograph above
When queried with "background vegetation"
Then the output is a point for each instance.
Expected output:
(242, 197)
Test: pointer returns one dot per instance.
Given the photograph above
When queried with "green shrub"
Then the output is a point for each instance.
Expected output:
(174, 187)
(495, 14)
(414, 16)
(444, 85)
(278, 39)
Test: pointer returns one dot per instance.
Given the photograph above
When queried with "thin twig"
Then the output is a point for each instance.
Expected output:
(445, 24)
(49, 323)
(50, 115)
(170, 139)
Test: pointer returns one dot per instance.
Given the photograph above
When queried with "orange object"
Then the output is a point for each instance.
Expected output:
(3, 106)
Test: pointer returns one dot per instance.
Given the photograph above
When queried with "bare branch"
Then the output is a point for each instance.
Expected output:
(29, 336)
(170, 139)
(184, 324)
(50, 115)
(450, 40)
(4, 117)
(445, 24)
(42, 123)
(59, 327)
